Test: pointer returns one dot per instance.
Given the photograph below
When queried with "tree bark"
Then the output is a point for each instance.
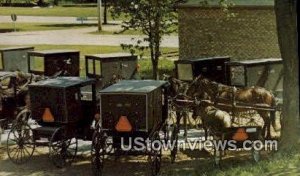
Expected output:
(286, 17)
(155, 69)
(105, 12)
(55, 2)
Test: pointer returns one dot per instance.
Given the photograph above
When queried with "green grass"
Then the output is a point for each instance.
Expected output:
(7, 27)
(235, 164)
(55, 11)
(236, 2)
(127, 32)
(165, 65)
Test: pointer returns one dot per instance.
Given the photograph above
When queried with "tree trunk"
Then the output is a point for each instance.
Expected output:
(41, 3)
(55, 2)
(286, 18)
(105, 12)
(155, 69)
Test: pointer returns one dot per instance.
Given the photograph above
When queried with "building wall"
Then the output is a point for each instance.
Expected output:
(208, 31)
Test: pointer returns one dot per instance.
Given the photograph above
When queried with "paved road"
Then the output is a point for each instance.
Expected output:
(75, 37)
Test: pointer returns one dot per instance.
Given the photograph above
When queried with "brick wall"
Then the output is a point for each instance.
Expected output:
(208, 31)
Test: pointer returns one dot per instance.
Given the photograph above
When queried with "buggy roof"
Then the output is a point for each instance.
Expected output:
(110, 55)
(16, 48)
(49, 52)
(134, 86)
(64, 82)
(256, 61)
(188, 61)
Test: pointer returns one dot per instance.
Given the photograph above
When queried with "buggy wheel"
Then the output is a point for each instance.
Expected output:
(174, 143)
(20, 143)
(99, 149)
(154, 157)
(62, 150)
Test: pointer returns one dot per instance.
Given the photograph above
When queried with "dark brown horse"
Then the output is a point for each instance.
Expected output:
(176, 87)
(220, 93)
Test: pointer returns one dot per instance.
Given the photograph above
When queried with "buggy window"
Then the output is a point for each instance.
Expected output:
(86, 93)
(37, 64)
(90, 66)
(97, 67)
(185, 72)
(237, 76)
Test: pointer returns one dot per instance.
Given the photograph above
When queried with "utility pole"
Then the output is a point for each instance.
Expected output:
(99, 4)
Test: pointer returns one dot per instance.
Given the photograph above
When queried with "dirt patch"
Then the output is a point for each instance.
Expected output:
(187, 163)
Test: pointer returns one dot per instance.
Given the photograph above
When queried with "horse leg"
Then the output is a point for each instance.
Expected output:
(205, 133)
(264, 129)
(178, 118)
(185, 116)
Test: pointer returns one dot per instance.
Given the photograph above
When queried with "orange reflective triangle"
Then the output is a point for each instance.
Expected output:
(123, 125)
(47, 116)
(240, 135)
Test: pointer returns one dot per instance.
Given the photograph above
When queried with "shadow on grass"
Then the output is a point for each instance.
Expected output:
(69, 25)
(188, 163)
(6, 30)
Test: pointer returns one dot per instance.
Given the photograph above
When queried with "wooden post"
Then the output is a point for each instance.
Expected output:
(99, 4)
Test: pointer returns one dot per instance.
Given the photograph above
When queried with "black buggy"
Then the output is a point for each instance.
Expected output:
(130, 109)
(20, 66)
(110, 68)
(63, 114)
(11, 59)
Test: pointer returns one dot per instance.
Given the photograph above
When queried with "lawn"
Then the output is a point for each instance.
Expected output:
(8, 27)
(276, 164)
(127, 32)
(55, 11)
(21, 27)
(165, 65)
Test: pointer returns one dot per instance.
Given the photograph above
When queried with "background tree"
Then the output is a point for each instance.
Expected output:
(105, 4)
(286, 16)
(155, 18)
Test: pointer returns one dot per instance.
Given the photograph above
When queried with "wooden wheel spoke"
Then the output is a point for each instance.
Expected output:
(17, 150)
(62, 151)
(22, 155)
(27, 151)
(14, 140)
(23, 147)
(18, 154)
(15, 137)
